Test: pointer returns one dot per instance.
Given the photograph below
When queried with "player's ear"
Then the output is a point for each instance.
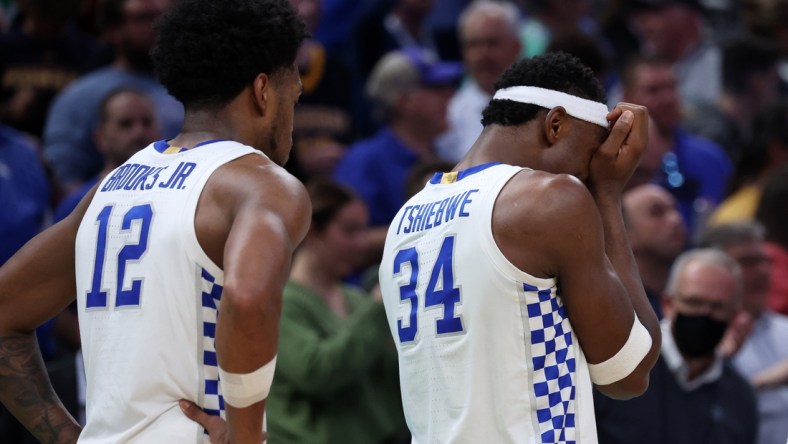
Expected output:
(261, 89)
(554, 123)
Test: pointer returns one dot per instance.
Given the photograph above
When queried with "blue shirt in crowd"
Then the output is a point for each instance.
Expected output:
(377, 169)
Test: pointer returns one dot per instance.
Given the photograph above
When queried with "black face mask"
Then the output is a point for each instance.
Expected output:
(697, 336)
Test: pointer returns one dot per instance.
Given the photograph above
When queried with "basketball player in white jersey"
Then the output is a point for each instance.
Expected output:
(180, 254)
(509, 284)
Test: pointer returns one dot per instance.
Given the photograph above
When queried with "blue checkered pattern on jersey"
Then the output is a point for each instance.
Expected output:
(211, 295)
(553, 356)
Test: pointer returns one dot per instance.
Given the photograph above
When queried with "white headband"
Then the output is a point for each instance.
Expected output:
(583, 109)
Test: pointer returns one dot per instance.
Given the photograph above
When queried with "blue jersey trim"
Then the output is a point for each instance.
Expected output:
(163, 145)
(438, 177)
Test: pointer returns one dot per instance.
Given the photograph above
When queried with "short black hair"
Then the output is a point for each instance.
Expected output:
(208, 51)
(558, 71)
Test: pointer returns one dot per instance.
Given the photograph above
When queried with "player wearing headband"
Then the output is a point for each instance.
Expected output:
(509, 284)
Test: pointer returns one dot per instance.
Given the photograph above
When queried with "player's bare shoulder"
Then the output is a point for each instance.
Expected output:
(541, 198)
(251, 183)
(256, 178)
(536, 216)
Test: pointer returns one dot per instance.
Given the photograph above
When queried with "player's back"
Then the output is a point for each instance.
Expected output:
(147, 297)
(486, 351)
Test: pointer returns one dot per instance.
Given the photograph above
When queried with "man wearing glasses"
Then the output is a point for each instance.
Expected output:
(694, 395)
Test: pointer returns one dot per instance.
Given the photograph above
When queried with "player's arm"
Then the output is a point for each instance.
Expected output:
(561, 226)
(563, 237)
(36, 284)
(269, 213)
(607, 306)
(611, 168)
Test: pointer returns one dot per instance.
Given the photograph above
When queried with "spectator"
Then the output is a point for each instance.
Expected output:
(412, 90)
(694, 170)
(617, 31)
(750, 85)
(673, 30)
(694, 396)
(769, 19)
(762, 345)
(24, 197)
(766, 153)
(336, 375)
(656, 234)
(340, 20)
(68, 143)
(585, 48)
(490, 44)
(127, 123)
(24, 192)
(391, 25)
(39, 56)
(323, 121)
(771, 213)
(400, 27)
(547, 18)
(775, 376)
(651, 162)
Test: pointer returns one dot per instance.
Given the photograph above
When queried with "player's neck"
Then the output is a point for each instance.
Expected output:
(201, 126)
(224, 123)
(506, 144)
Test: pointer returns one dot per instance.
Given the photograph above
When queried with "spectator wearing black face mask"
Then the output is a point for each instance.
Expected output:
(694, 396)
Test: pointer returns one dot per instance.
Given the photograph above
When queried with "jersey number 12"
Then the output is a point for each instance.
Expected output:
(97, 297)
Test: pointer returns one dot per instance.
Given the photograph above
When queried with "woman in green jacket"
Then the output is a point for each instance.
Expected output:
(336, 372)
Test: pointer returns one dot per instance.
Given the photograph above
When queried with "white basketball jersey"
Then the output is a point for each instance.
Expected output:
(147, 296)
(486, 351)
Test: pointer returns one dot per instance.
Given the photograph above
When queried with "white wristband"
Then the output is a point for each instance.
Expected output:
(626, 360)
(243, 390)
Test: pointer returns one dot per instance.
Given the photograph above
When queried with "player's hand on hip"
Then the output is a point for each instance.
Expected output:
(618, 156)
(214, 425)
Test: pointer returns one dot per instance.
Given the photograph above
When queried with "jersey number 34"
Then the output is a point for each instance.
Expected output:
(446, 294)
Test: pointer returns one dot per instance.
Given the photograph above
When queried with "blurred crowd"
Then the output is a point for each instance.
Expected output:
(393, 91)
